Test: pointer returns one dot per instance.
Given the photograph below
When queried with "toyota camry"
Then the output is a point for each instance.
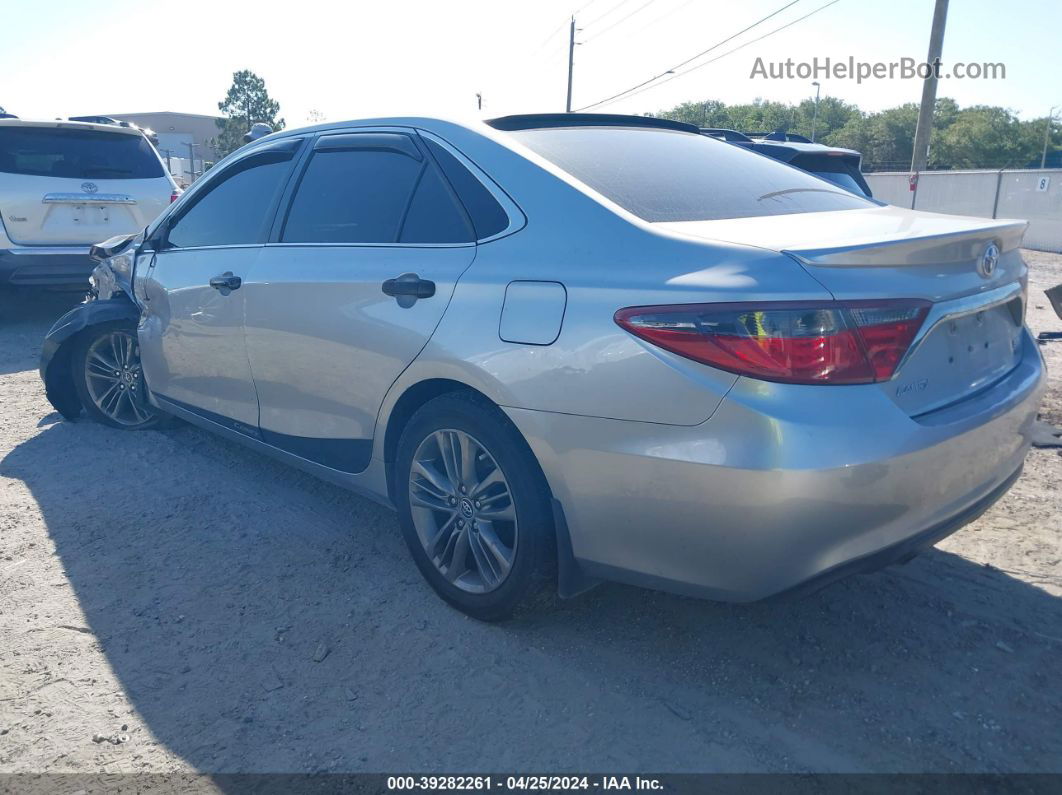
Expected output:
(572, 348)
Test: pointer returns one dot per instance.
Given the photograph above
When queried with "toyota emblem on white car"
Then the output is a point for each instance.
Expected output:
(89, 187)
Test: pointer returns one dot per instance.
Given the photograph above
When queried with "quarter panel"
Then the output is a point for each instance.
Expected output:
(594, 367)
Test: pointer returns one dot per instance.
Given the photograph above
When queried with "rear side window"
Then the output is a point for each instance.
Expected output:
(666, 175)
(486, 214)
(367, 195)
(77, 154)
(234, 210)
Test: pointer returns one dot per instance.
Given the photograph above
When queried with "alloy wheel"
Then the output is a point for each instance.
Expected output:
(114, 379)
(463, 510)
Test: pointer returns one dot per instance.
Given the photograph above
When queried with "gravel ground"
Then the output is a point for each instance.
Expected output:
(210, 610)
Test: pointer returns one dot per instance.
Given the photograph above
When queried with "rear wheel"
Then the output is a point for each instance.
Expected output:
(109, 380)
(473, 505)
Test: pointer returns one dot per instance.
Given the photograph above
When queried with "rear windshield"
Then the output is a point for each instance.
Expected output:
(838, 170)
(76, 154)
(665, 175)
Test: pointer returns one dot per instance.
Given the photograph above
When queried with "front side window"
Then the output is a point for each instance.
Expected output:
(234, 210)
(373, 195)
(668, 175)
(77, 153)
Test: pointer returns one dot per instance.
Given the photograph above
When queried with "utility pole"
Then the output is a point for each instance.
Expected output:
(815, 115)
(571, 63)
(1047, 136)
(479, 101)
(929, 95)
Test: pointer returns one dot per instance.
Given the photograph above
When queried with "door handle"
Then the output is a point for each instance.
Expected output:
(226, 282)
(408, 287)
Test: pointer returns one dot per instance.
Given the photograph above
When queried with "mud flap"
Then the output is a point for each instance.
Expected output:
(571, 579)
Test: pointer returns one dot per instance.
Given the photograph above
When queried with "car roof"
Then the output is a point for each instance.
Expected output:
(68, 125)
(797, 146)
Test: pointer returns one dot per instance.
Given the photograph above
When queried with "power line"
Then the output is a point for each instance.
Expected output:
(739, 47)
(548, 38)
(610, 11)
(621, 20)
(666, 14)
(688, 60)
(562, 26)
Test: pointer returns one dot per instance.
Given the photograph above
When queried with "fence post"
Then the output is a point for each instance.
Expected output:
(995, 201)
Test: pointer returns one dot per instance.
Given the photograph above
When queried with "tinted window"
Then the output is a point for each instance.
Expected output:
(352, 196)
(433, 216)
(77, 154)
(487, 215)
(664, 175)
(372, 196)
(234, 210)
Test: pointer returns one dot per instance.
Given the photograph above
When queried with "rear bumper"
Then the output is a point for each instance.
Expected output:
(784, 488)
(56, 266)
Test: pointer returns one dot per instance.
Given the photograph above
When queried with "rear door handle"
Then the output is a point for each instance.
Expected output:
(226, 282)
(408, 287)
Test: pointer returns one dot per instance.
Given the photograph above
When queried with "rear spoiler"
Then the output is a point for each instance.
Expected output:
(958, 246)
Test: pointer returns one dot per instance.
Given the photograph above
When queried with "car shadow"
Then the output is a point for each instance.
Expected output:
(259, 620)
(25, 317)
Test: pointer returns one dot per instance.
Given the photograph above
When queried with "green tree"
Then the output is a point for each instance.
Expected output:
(980, 136)
(984, 137)
(885, 139)
(764, 116)
(247, 102)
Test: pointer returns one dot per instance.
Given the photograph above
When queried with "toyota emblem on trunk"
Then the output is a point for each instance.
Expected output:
(89, 187)
(986, 266)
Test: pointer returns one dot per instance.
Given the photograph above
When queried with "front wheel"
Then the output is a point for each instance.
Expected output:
(109, 380)
(473, 506)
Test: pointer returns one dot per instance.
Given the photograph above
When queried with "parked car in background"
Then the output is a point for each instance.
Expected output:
(66, 185)
(839, 166)
(608, 346)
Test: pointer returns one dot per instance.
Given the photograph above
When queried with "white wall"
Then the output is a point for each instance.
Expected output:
(1033, 195)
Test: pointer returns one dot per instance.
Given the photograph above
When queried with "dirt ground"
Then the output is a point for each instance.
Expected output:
(210, 610)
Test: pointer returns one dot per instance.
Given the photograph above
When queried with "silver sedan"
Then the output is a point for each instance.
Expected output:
(573, 348)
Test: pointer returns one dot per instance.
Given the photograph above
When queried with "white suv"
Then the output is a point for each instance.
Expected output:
(66, 185)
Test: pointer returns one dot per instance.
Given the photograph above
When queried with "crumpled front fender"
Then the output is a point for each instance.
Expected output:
(59, 342)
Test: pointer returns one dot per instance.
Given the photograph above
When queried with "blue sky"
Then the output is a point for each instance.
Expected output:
(355, 59)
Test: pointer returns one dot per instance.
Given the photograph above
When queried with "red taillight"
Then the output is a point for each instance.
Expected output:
(174, 196)
(825, 342)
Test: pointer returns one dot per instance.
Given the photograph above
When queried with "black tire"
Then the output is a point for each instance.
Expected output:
(531, 567)
(126, 418)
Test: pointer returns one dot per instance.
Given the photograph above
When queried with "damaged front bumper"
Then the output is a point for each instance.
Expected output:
(110, 298)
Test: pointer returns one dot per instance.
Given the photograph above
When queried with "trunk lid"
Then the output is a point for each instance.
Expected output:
(75, 184)
(972, 336)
